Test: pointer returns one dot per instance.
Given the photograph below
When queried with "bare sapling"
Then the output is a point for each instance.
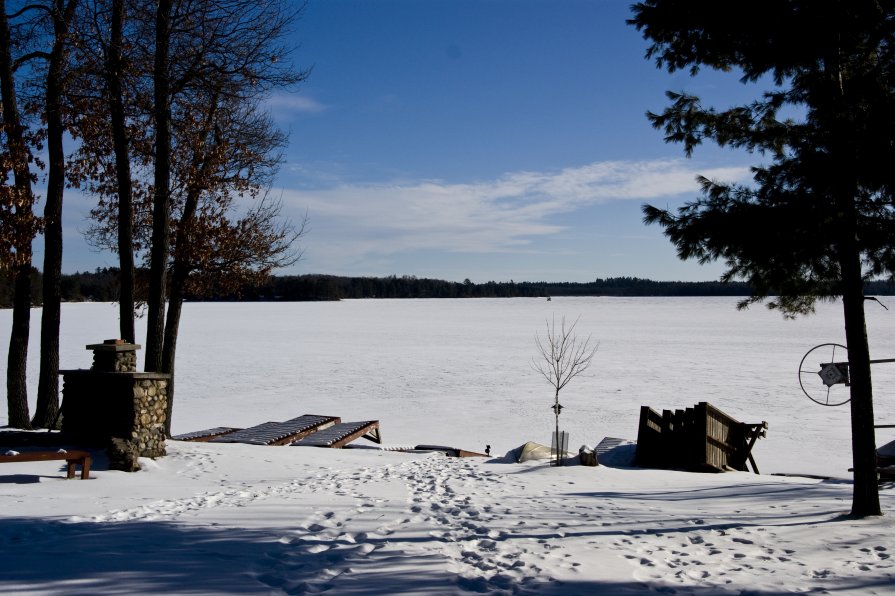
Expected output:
(562, 357)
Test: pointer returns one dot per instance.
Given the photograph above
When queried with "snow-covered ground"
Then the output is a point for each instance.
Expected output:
(223, 518)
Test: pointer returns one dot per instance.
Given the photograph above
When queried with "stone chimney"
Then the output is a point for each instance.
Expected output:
(114, 355)
(112, 400)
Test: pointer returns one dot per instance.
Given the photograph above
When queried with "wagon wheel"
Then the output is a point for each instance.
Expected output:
(823, 374)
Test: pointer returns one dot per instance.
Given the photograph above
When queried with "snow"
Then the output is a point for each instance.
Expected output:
(234, 519)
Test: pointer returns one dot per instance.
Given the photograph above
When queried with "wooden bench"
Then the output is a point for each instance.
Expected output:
(73, 458)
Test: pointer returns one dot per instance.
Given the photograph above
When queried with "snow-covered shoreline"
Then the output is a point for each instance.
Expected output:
(232, 518)
(211, 519)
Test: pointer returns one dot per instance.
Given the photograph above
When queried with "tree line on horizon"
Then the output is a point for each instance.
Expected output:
(102, 285)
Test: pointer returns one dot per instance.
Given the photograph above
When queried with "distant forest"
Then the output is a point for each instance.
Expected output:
(102, 286)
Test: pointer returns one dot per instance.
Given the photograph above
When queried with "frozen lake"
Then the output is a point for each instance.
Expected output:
(463, 367)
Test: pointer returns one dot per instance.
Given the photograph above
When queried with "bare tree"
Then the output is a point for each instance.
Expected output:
(211, 251)
(19, 223)
(60, 14)
(562, 358)
(212, 149)
(110, 98)
(204, 49)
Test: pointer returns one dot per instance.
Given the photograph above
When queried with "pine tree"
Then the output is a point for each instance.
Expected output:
(817, 220)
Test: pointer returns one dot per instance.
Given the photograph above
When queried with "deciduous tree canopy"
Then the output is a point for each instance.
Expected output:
(166, 103)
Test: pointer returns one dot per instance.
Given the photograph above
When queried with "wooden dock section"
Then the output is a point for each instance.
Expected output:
(339, 435)
(699, 438)
(201, 436)
(279, 433)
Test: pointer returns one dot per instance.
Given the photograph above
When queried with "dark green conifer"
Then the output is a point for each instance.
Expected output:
(817, 220)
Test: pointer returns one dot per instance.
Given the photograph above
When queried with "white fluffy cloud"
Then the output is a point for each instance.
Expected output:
(283, 103)
(501, 215)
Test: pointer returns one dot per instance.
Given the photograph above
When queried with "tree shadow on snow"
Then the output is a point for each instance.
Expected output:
(54, 556)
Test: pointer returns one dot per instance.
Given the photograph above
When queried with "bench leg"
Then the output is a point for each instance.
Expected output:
(85, 467)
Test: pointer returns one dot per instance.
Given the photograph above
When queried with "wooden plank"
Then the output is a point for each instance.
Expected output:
(465, 453)
(717, 437)
(650, 450)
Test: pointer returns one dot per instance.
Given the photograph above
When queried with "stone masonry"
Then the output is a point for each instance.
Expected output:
(114, 355)
(113, 401)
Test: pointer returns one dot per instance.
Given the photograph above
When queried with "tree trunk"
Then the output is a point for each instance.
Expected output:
(179, 276)
(172, 327)
(161, 226)
(48, 383)
(47, 408)
(126, 300)
(181, 268)
(865, 498)
(16, 363)
(17, 358)
(556, 412)
(845, 186)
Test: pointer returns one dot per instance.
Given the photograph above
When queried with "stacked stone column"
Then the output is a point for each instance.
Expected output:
(113, 405)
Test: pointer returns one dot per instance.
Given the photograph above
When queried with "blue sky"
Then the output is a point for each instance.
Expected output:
(480, 139)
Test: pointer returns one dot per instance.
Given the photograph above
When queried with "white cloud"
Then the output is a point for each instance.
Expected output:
(522, 221)
(292, 102)
(503, 215)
